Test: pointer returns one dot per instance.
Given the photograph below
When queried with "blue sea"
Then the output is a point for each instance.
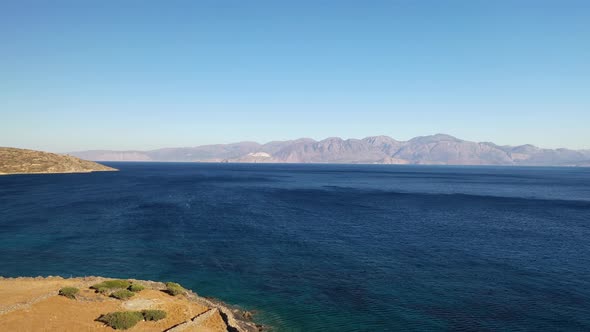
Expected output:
(322, 247)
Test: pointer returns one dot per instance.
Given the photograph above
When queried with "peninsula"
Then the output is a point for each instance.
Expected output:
(22, 161)
(100, 304)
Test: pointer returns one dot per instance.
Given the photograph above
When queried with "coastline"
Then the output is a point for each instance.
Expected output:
(24, 298)
(66, 172)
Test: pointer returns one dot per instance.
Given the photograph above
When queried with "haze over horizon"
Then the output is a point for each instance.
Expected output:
(141, 76)
(316, 140)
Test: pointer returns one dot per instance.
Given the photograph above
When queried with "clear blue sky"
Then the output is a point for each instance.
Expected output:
(78, 75)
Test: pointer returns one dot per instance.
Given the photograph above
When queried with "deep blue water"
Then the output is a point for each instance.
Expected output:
(323, 247)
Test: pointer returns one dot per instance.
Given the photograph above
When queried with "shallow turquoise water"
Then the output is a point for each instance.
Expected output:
(323, 247)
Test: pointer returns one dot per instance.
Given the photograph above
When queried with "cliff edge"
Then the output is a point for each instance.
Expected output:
(90, 303)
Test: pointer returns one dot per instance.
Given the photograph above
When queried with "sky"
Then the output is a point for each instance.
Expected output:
(110, 74)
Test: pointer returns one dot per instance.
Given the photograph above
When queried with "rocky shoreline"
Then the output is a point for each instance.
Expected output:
(25, 298)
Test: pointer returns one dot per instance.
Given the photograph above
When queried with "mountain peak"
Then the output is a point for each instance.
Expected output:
(332, 139)
(379, 139)
(435, 138)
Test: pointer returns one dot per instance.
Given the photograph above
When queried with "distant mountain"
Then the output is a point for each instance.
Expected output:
(439, 149)
(21, 161)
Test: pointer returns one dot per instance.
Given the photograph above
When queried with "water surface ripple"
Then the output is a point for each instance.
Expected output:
(323, 247)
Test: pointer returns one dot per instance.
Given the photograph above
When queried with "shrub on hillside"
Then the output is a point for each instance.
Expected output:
(136, 288)
(103, 290)
(122, 294)
(69, 292)
(121, 320)
(174, 289)
(112, 284)
(153, 315)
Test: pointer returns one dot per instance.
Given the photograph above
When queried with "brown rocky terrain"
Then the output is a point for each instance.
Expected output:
(21, 161)
(33, 304)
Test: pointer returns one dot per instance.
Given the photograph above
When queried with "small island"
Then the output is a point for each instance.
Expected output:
(22, 161)
(101, 304)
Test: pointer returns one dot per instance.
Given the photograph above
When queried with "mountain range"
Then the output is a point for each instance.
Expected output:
(439, 149)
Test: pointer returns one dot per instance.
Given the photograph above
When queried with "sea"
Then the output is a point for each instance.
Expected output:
(322, 247)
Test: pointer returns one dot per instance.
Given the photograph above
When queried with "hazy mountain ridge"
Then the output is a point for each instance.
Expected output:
(439, 149)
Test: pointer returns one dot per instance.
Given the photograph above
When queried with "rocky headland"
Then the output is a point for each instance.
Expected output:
(22, 161)
(95, 304)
